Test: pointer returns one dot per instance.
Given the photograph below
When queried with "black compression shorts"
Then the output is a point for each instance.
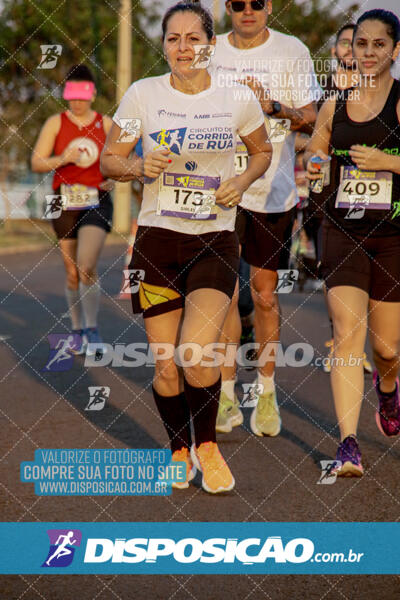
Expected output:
(371, 264)
(68, 224)
(168, 265)
(265, 238)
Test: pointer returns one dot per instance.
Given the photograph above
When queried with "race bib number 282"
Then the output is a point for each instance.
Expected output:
(79, 196)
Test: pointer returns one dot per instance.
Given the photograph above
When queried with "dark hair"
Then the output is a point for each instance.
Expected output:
(194, 7)
(343, 28)
(80, 73)
(384, 16)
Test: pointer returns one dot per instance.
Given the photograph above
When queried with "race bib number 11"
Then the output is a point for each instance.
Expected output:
(242, 159)
(373, 189)
(188, 196)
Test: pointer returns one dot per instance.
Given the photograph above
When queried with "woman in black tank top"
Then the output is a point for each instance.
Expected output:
(361, 243)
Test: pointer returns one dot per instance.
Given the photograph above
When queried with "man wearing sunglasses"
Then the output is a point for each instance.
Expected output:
(279, 70)
(346, 74)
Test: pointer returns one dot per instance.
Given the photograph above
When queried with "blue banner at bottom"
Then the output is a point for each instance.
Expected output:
(194, 548)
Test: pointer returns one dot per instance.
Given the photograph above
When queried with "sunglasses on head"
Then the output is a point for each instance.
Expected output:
(240, 5)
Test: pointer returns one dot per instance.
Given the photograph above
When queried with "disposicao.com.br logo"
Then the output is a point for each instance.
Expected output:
(248, 551)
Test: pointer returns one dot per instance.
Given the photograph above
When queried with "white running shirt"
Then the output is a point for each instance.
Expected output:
(284, 67)
(200, 130)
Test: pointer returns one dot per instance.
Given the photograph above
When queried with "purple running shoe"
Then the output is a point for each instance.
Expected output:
(349, 457)
(387, 416)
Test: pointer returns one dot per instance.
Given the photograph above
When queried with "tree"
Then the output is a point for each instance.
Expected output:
(314, 22)
(87, 32)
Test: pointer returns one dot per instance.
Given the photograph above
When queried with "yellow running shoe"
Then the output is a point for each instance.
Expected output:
(217, 476)
(366, 364)
(327, 363)
(265, 418)
(183, 455)
(229, 414)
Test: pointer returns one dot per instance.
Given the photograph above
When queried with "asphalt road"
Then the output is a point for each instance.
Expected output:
(276, 479)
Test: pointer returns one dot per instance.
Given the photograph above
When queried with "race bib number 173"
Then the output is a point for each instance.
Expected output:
(188, 196)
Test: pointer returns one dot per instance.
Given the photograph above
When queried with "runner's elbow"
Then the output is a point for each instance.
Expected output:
(106, 161)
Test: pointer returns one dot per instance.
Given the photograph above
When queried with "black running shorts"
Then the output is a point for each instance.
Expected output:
(265, 238)
(68, 224)
(167, 265)
(371, 264)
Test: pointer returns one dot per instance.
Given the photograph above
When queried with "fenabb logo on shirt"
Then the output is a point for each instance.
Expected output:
(165, 113)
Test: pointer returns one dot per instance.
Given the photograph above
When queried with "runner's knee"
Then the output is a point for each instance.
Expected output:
(72, 277)
(87, 273)
(200, 376)
(349, 331)
(166, 371)
(385, 351)
(265, 299)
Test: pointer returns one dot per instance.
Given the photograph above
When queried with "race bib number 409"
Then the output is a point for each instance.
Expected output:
(372, 188)
(188, 196)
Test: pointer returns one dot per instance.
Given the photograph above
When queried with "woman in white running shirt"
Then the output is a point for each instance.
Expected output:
(185, 258)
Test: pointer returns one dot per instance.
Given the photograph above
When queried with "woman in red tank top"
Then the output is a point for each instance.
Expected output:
(80, 209)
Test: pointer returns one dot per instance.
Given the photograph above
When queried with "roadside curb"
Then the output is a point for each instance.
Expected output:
(44, 246)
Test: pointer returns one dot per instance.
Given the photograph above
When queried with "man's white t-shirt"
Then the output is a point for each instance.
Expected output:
(283, 66)
(200, 131)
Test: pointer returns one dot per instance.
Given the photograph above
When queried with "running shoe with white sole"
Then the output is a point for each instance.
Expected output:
(236, 414)
(265, 418)
(94, 342)
(217, 476)
(183, 455)
(348, 456)
(387, 416)
(229, 414)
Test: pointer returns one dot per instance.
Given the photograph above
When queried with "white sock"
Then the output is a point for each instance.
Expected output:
(90, 298)
(74, 307)
(229, 388)
(268, 383)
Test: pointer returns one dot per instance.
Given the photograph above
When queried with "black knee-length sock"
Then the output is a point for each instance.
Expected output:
(203, 404)
(175, 414)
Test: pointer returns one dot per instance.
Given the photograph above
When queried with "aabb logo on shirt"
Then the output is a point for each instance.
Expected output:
(169, 138)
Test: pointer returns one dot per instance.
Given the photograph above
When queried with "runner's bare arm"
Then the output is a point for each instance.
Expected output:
(259, 149)
(108, 184)
(107, 123)
(42, 161)
(367, 158)
(114, 159)
(319, 143)
(301, 119)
